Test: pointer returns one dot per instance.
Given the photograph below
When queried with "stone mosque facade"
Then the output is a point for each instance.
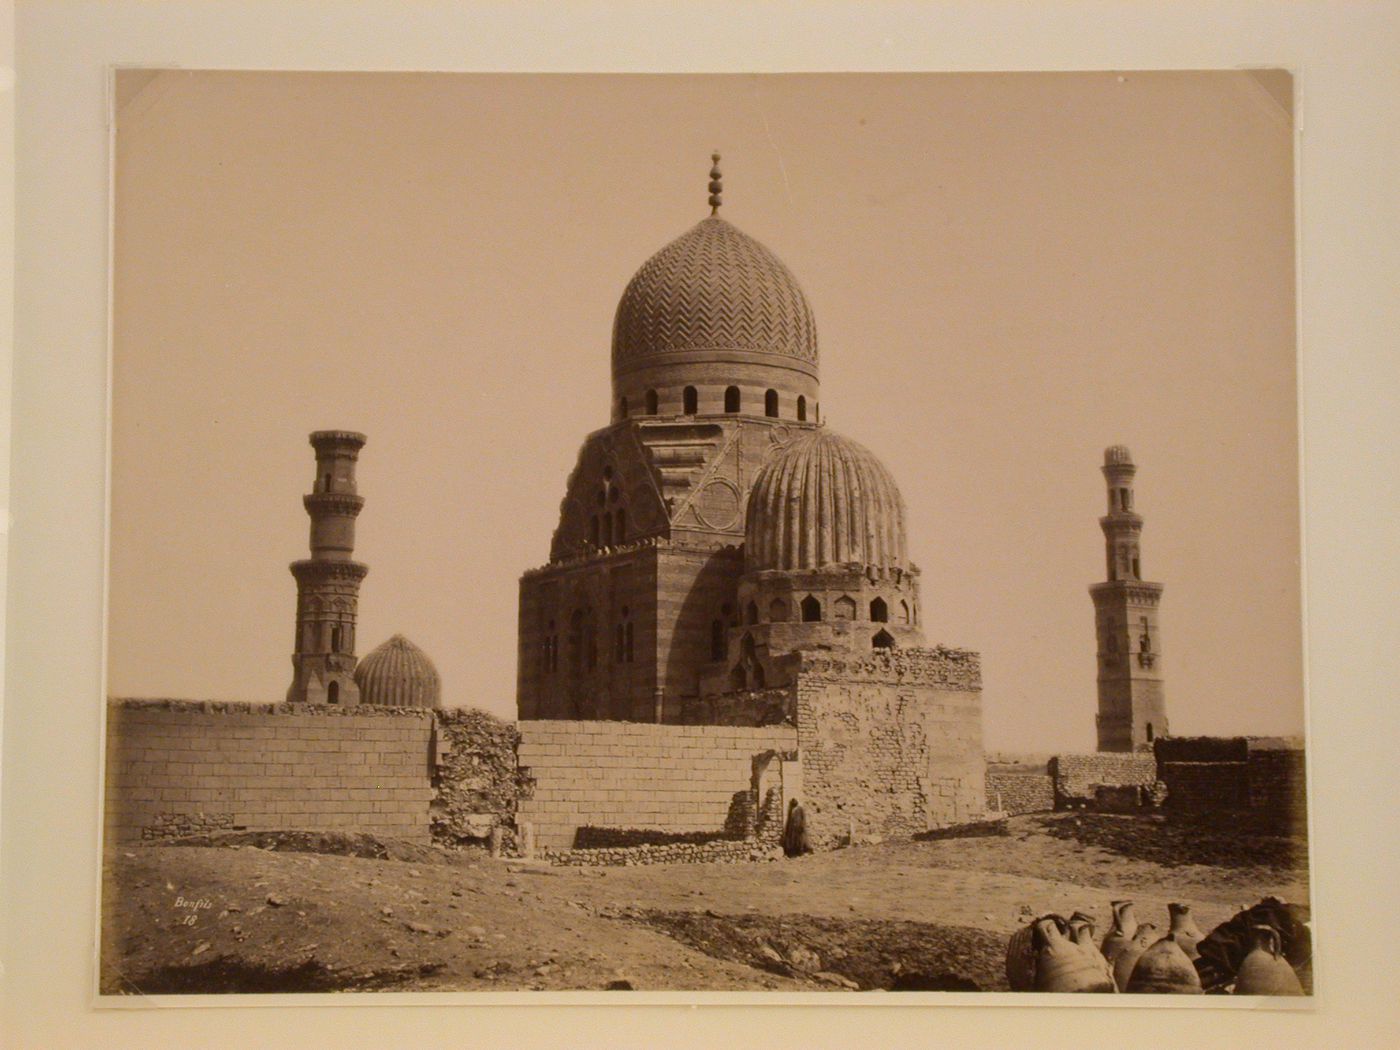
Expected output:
(724, 558)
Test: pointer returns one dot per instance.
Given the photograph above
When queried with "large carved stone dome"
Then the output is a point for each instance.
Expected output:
(713, 288)
(821, 500)
(398, 674)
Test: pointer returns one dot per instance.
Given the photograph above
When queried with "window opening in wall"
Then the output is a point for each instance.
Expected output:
(731, 399)
(1149, 732)
(621, 529)
(811, 609)
(622, 408)
(576, 641)
(328, 483)
(801, 409)
(751, 613)
(607, 530)
(590, 638)
(333, 693)
(691, 400)
(717, 640)
(879, 611)
(770, 404)
(652, 403)
(335, 639)
(882, 640)
(627, 642)
(595, 529)
(816, 412)
(1137, 568)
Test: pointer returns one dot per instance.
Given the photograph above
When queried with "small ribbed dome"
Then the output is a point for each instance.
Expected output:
(713, 288)
(398, 674)
(824, 500)
(1116, 456)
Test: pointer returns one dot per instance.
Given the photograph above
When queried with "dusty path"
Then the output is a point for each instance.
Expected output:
(869, 916)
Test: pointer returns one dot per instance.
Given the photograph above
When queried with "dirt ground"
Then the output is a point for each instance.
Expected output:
(288, 912)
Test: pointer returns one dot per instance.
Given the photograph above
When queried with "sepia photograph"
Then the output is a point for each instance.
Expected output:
(823, 533)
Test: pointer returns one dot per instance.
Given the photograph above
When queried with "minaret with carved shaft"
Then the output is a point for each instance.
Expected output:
(328, 583)
(1132, 704)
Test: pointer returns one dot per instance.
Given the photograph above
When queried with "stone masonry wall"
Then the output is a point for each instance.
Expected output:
(1078, 778)
(890, 742)
(1014, 793)
(633, 775)
(177, 767)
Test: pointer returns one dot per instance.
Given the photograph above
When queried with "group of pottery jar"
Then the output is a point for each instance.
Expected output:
(1054, 954)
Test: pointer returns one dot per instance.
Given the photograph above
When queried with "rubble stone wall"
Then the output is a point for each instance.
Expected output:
(890, 742)
(477, 781)
(1016, 793)
(180, 767)
(1078, 778)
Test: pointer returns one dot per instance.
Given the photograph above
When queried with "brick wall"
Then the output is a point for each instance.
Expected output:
(890, 742)
(636, 775)
(176, 767)
(1264, 777)
(1020, 792)
(1278, 787)
(1078, 778)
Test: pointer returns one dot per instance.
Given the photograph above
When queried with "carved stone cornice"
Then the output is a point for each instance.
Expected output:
(940, 666)
(315, 570)
(1138, 592)
(343, 503)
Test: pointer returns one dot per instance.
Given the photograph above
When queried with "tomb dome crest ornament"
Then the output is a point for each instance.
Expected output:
(823, 500)
(714, 288)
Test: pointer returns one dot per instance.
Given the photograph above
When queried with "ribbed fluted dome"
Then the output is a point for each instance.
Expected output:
(1117, 456)
(822, 500)
(398, 674)
(713, 288)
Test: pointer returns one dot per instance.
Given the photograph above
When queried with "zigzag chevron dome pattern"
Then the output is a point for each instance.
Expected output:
(714, 288)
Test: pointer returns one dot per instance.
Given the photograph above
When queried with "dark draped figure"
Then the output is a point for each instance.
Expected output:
(795, 840)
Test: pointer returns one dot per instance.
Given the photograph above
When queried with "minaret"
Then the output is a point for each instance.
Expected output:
(1132, 706)
(328, 584)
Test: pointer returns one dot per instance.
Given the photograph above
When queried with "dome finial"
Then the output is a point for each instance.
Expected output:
(716, 186)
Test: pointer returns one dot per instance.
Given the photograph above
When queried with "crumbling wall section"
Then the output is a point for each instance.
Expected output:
(477, 780)
(890, 742)
(1109, 781)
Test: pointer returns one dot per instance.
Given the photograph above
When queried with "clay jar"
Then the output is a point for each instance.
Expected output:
(1184, 929)
(1062, 966)
(1164, 969)
(1081, 929)
(1121, 933)
(1131, 952)
(1264, 970)
(1020, 960)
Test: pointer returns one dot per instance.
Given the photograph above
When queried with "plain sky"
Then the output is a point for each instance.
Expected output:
(1009, 272)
